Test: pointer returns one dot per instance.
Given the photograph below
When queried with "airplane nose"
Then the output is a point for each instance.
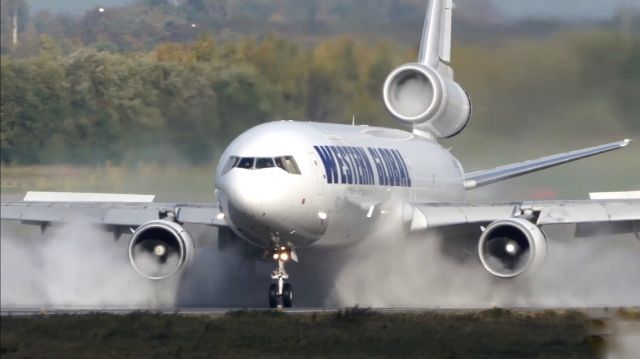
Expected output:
(269, 203)
(243, 194)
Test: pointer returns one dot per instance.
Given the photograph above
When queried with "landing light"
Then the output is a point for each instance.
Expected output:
(159, 250)
(220, 216)
(322, 215)
(284, 256)
(276, 256)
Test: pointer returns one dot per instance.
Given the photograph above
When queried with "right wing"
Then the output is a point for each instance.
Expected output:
(116, 210)
(159, 247)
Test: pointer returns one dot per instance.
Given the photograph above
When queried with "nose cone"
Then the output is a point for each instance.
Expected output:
(268, 205)
(243, 193)
(275, 201)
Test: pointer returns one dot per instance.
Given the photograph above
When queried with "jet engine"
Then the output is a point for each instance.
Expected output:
(510, 247)
(418, 95)
(160, 248)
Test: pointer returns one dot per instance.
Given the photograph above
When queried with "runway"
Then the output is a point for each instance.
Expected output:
(592, 312)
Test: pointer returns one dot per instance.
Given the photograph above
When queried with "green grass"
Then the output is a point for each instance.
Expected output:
(355, 332)
(171, 182)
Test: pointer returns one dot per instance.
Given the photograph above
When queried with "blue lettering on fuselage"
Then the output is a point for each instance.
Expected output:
(330, 170)
(353, 165)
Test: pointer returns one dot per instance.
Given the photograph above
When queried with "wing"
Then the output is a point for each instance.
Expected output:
(110, 210)
(612, 215)
(510, 240)
(485, 177)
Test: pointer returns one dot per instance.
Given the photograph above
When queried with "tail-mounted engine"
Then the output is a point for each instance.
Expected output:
(417, 95)
(160, 248)
(510, 247)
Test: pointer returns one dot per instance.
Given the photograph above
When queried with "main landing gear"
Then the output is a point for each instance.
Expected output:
(281, 293)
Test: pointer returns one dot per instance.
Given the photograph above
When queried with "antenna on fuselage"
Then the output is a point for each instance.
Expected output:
(353, 120)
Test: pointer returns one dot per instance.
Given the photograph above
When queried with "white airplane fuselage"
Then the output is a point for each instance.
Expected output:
(345, 176)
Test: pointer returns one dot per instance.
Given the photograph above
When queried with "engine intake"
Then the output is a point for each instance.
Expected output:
(510, 247)
(419, 96)
(160, 248)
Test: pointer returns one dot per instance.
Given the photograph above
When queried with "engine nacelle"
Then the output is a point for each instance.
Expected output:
(160, 248)
(419, 96)
(510, 247)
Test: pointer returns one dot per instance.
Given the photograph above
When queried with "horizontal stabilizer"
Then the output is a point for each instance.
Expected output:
(36, 196)
(485, 177)
(614, 195)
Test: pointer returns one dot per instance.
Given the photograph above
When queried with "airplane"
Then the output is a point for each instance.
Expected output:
(286, 185)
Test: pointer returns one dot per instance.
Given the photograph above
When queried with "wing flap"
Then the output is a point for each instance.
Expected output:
(201, 215)
(28, 213)
(597, 211)
(129, 216)
(585, 230)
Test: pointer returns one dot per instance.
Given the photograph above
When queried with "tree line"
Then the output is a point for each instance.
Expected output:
(143, 24)
(186, 101)
(177, 102)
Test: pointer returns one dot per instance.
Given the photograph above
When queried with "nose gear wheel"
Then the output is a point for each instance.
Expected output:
(280, 293)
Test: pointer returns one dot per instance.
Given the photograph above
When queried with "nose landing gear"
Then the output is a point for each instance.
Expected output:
(281, 293)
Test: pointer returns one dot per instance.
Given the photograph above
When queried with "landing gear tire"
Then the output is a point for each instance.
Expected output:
(281, 293)
(287, 295)
(273, 295)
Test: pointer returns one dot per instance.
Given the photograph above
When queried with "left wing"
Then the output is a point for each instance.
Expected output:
(512, 240)
(434, 215)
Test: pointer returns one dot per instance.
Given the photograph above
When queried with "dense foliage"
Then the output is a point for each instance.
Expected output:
(185, 101)
(181, 101)
(147, 81)
(142, 24)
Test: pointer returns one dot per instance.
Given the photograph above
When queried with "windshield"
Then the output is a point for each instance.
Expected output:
(285, 163)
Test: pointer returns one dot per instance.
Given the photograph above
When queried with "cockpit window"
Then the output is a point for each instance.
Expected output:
(231, 162)
(291, 165)
(280, 163)
(246, 163)
(264, 163)
(286, 163)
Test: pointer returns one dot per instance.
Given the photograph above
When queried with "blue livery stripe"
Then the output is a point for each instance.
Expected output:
(353, 165)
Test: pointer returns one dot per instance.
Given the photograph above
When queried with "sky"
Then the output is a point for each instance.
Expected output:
(513, 9)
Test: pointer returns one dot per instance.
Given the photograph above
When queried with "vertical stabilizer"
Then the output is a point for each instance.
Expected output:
(424, 94)
(436, 34)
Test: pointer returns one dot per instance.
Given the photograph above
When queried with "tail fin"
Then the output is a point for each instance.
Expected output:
(435, 46)
(424, 95)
